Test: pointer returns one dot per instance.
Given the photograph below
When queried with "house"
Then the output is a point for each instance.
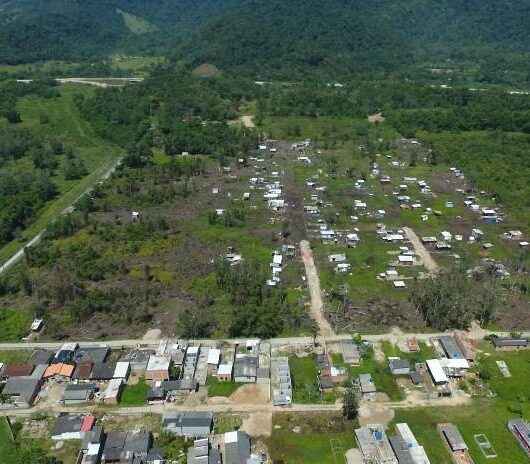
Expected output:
(237, 448)
(399, 366)
(406, 260)
(113, 449)
(112, 393)
(138, 360)
(22, 391)
(450, 347)
(18, 370)
(188, 424)
(509, 343)
(91, 446)
(338, 258)
(202, 453)
(437, 372)
(175, 387)
(93, 354)
(280, 375)
(157, 368)
(414, 453)
(79, 393)
(412, 345)
(214, 355)
(103, 371)
(366, 384)
(350, 353)
(41, 357)
(374, 445)
(59, 371)
(454, 440)
(224, 372)
(122, 370)
(38, 372)
(490, 216)
(72, 426)
(83, 371)
(521, 432)
(245, 368)
(66, 354)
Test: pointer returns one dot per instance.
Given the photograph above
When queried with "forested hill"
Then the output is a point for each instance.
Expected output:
(268, 37)
(275, 35)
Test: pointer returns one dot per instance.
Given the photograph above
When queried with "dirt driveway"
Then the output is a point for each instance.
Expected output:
(313, 283)
(427, 260)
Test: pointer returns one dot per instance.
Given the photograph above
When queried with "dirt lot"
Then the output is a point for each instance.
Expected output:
(258, 424)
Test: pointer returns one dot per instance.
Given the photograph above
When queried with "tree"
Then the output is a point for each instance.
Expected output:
(13, 117)
(350, 405)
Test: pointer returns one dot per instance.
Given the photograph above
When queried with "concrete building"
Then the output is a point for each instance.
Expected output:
(374, 445)
(157, 368)
(281, 388)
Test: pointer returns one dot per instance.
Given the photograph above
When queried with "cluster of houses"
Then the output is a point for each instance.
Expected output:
(100, 447)
(277, 263)
(208, 448)
(173, 370)
(404, 256)
(377, 447)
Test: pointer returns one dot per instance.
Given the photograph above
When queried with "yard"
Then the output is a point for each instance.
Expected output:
(310, 438)
(135, 395)
(304, 378)
(220, 388)
(483, 417)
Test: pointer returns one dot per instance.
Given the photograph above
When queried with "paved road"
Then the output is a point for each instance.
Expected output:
(427, 260)
(313, 283)
(36, 239)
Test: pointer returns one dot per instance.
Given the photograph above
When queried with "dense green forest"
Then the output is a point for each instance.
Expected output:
(277, 39)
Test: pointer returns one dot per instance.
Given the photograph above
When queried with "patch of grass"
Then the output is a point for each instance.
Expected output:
(304, 379)
(135, 395)
(219, 388)
(14, 324)
(227, 423)
(14, 356)
(310, 439)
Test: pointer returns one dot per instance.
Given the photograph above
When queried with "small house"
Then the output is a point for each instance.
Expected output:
(245, 368)
(112, 393)
(22, 391)
(366, 384)
(79, 393)
(399, 366)
(509, 343)
(188, 423)
(157, 368)
(72, 427)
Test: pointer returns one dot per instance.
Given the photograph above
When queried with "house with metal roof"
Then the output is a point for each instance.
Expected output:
(454, 439)
(93, 354)
(245, 368)
(202, 453)
(79, 393)
(450, 347)
(103, 371)
(138, 360)
(399, 366)
(22, 391)
(188, 423)
(510, 343)
(521, 431)
(72, 426)
(350, 352)
(366, 384)
(237, 448)
(281, 388)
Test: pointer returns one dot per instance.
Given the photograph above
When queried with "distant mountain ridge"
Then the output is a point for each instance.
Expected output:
(265, 36)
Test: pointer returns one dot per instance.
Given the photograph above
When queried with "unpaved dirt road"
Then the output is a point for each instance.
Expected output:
(313, 283)
(427, 260)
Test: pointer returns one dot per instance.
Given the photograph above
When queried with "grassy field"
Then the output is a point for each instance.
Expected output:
(14, 324)
(310, 439)
(304, 376)
(484, 416)
(6, 439)
(14, 356)
(66, 123)
(217, 388)
(135, 395)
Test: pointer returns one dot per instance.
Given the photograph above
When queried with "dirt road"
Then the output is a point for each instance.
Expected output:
(313, 283)
(106, 172)
(427, 260)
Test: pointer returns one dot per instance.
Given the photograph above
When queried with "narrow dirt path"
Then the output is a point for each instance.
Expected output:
(426, 258)
(313, 283)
